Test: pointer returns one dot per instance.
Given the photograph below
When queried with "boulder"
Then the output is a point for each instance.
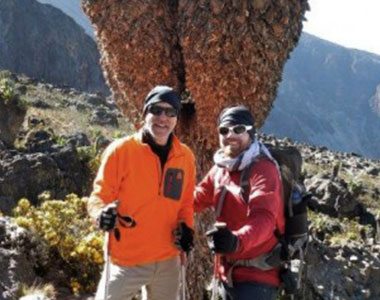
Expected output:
(22, 256)
(341, 272)
(58, 170)
(103, 116)
(12, 116)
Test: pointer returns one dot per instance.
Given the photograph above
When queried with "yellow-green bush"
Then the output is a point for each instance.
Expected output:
(338, 231)
(91, 157)
(71, 236)
(7, 90)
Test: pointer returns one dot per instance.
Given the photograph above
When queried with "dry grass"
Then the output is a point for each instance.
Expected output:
(67, 120)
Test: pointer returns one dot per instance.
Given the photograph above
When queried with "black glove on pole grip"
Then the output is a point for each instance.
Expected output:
(184, 237)
(222, 239)
(107, 217)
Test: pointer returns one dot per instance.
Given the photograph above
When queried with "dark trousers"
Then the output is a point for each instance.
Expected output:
(249, 291)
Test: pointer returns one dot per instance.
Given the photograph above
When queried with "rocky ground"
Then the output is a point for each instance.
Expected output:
(64, 129)
(343, 254)
(48, 149)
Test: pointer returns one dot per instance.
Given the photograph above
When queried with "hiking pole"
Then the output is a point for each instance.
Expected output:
(107, 266)
(215, 277)
(107, 257)
(183, 275)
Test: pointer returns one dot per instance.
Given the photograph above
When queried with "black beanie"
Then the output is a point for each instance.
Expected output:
(237, 115)
(162, 93)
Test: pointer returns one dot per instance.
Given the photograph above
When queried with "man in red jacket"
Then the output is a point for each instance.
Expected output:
(251, 215)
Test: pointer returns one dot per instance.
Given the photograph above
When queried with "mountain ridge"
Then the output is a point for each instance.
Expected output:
(74, 10)
(328, 97)
(42, 42)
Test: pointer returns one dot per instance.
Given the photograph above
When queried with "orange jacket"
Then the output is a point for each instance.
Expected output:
(156, 199)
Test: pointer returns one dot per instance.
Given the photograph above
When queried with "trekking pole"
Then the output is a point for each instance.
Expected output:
(107, 266)
(107, 259)
(183, 275)
(215, 277)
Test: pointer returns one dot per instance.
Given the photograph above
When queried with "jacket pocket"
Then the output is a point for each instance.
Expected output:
(173, 183)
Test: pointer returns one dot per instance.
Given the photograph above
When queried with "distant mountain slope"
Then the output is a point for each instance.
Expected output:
(42, 42)
(330, 95)
(73, 9)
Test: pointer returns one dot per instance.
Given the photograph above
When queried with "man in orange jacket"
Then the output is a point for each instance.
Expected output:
(152, 177)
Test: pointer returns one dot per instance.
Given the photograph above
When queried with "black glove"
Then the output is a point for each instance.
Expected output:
(183, 237)
(222, 240)
(107, 218)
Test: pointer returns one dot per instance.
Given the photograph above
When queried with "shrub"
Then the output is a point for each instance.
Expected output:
(355, 187)
(71, 236)
(338, 231)
(352, 232)
(91, 157)
(7, 90)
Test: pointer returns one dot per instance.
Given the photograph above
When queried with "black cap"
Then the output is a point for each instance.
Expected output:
(237, 115)
(162, 93)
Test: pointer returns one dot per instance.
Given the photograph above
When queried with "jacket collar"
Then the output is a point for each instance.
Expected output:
(176, 149)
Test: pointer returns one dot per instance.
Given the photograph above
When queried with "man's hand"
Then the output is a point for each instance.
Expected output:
(107, 218)
(222, 240)
(183, 237)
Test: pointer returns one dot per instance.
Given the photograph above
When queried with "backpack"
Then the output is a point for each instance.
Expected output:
(290, 252)
(295, 238)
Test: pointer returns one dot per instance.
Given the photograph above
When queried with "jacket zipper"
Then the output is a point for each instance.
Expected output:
(160, 172)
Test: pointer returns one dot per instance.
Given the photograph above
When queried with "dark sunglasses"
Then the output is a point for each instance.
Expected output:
(158, 110)
(237, 129)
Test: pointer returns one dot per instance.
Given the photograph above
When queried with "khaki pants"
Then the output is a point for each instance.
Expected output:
(161, 280)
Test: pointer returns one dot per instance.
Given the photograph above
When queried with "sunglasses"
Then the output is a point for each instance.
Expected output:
(156, 110)
(237, 129)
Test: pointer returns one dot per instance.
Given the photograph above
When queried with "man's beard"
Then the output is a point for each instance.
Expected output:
(231, 151)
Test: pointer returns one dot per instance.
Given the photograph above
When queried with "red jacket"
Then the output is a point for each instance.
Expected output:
(254, 222)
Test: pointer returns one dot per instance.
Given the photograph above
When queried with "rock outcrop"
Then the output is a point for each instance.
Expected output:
(22, 255)
(11, 118)
(42, 166)
(351, 271)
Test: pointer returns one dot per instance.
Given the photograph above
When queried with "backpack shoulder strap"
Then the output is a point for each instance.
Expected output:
(217, 179)
(244, 180)
(244, 184)
(245, 176)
